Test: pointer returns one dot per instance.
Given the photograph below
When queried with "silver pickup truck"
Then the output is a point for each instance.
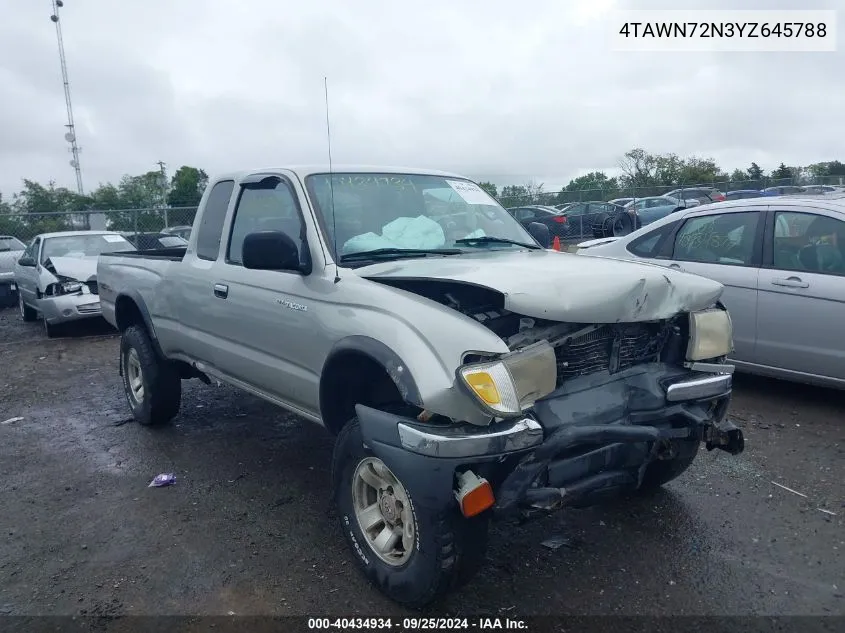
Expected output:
(467, 371)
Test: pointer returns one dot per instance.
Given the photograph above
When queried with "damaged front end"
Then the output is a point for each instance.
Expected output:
(578, 411)
(66, 298)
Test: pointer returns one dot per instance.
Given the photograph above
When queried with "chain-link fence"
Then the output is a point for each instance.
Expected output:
(552, 198)
(24, 226)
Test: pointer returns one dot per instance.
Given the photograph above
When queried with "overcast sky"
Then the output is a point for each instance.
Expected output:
(495, 89)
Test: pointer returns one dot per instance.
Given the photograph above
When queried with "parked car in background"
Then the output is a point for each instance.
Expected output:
(555, 220)
(785, 190)
(182, 231)
(57, 275)
(564, 205)
(466, 372)
(11, 248)
(743, 194)
(147, 241)
(782, 262)
(819, 189)
(648, 210)
(591, 218)
(622, 202)
(700, 195)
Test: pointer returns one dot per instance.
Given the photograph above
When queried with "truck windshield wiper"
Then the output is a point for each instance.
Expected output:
(489, 239)
(398, 252)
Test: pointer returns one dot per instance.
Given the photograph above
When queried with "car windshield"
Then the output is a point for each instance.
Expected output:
(8, 243)
(364, 212)
(84, 245)
(172, 241)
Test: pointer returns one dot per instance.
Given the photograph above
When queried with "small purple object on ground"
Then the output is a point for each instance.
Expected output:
(165, 479)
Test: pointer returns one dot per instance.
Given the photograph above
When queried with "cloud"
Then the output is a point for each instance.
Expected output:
(492, 89)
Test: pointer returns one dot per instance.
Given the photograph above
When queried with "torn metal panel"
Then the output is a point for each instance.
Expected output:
(564, 287)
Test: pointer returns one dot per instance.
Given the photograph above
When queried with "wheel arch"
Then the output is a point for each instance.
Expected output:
(372, 366)
(131, 309)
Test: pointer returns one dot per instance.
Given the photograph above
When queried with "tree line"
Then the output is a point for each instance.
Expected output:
(140, 201)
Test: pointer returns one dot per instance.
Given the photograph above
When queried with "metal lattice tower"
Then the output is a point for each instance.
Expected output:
(70, 136)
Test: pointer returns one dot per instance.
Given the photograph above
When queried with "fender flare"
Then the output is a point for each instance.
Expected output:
(395, 367)
(139, 302)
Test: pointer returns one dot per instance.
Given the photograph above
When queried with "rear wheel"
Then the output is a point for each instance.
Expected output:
(410, 553)
(27, 314)
(152, 385)
(621, 225)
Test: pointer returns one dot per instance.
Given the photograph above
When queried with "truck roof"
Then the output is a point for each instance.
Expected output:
(306, 170)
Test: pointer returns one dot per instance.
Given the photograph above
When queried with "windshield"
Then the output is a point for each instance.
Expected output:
(11, 244)
(420, 212)
(83, 245)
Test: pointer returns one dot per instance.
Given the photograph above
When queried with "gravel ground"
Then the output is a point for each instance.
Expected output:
(248, 528)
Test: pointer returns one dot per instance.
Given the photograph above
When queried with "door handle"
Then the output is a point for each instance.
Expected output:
(675, 266)
(221, 291)
(790, 282)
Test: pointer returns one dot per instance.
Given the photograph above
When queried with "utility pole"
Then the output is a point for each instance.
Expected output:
(70, 136)
(163, 183)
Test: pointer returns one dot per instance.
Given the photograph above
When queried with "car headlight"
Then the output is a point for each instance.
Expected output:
(64, 288)
(509, 385)
(710, 334)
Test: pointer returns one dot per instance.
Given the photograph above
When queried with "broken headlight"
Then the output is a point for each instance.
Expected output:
(64, 288)
(512, 383)
(710, 334)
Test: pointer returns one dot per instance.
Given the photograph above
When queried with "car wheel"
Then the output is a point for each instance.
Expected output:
(410, 553)
(663, 471)
(621, 225)
(600, 225)
(27, 313)
(152, 385)
(51, 330)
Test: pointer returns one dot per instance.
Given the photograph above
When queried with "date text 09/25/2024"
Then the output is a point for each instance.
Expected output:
(417, 624)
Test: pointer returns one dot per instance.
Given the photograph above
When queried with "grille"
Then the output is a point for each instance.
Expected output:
(92, 286)
(610, 348)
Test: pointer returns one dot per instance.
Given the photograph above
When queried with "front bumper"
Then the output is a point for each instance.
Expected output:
(594, 434)
(67, 308)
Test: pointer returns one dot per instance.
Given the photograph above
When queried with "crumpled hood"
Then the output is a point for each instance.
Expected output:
(565, 287)
(78, 268)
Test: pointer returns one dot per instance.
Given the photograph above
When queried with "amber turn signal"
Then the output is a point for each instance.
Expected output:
(474, 494)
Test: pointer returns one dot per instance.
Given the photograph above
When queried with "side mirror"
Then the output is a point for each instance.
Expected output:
(541, 233)
(26, 261)
(271, 250)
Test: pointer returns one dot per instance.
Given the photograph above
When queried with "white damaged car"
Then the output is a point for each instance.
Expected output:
(57, 275)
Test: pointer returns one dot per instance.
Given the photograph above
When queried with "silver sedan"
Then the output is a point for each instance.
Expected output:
(782, 262)
(57, 275)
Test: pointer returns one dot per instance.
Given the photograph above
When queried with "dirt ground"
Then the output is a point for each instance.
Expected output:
(249, 529)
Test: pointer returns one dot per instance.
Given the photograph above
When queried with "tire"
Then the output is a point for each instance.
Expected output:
(599, 226)
(52, 331)
(665, 470)
(27, 314)
(157, 402)
(446, 548)
(621, 225)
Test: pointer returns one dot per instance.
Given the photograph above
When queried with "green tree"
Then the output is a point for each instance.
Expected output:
(739, 175)
(490, 188)
(515, 196)
(595, 184)
(754, 172)
(782, 172)
(186, 187)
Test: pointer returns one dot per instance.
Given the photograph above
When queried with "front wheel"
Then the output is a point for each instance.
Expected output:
(152, 385)
(27, 313)
(412, 554)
